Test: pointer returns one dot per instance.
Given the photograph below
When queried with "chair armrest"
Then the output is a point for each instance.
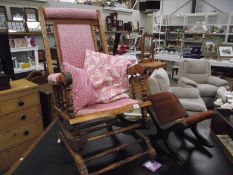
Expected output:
(187, 82)
(54, 79)
(216, 81)
(176, 124)
(136, 69)
(185, 92)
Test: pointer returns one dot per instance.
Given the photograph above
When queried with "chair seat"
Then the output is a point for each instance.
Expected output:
(154, 64)
(207, 90)
(98, 111)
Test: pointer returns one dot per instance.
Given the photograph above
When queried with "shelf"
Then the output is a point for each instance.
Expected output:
(186, 41)
(24, 49)
(25, 33)
(174, 40)
(19, 70)
(118, 9)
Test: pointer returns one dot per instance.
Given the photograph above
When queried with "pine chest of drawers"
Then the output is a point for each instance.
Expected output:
(20, 120)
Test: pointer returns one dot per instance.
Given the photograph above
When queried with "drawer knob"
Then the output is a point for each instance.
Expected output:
(23, 117)
(26, 133)
(20, 103)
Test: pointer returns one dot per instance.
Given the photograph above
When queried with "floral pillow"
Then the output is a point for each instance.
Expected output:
(108, 75)
(82, 89)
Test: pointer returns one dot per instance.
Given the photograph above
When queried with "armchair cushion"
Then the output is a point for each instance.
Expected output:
(108, 75)
(185, 92)
(207, 90)
(161, 76)
(193, 104)
(82, 89)
(216, 81)
(188, 82)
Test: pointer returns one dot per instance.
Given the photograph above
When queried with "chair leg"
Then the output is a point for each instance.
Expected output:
(203, 141)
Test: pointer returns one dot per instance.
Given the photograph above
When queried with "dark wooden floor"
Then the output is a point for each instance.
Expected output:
(51, 158)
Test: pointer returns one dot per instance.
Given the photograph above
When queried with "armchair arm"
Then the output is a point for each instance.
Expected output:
(185, 82)
(136, 69)
(185, 92)
(217, 81)
(54, 79)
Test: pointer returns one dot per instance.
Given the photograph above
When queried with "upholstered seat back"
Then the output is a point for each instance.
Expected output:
(197, 70)
(74, 31)
(166, 107)
(159, 81)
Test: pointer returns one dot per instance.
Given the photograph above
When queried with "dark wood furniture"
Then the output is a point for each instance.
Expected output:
(20, 120)
(222, 130)
(77, 130)
(168, 115)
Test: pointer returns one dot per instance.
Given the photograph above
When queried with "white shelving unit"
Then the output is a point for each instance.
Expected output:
(37, 66)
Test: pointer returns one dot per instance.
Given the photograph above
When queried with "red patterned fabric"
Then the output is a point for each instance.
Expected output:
(83, 92)
(74, 40)
(108, 75)
(105, 107)
(53, 79)
(69, 13)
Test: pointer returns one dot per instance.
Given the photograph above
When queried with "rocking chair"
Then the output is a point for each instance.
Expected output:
(75, 32)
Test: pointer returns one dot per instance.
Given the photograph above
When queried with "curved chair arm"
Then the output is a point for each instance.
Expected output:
(185, 92)
(185, 82)
(136, 69)
(176, 124)
(216, 81)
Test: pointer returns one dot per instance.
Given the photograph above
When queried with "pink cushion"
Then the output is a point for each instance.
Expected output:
(72, 13)
(108, 75)
(83, 92)
(105, 107)
(53, 79)
(74, 40)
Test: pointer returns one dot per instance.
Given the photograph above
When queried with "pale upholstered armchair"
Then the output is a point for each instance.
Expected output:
(188, 97)
(197, 74)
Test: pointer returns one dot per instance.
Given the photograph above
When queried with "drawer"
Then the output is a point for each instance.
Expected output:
(7, 158)
(12, 137)
(18, 103)
(19, 118)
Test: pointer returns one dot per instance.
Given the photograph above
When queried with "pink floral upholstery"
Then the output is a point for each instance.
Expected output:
(69, 13)
(83, 92)
(105, 107)
(53, 79)
(108, 75)
(74, 40)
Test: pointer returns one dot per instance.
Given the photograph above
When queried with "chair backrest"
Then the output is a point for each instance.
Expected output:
(167, 107)
(147, 47)
(159, 81)
(197, 70)
(74, 31)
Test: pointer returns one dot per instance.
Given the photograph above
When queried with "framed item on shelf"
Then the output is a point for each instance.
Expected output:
(114, 19)
(17, 14)
(225, 51)
(3, 18)
(16, 26)
(109, 22)
(31, 14)
(120, 25)
(33, 26)
(210, 47)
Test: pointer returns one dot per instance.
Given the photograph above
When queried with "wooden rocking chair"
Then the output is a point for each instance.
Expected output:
(76, 128)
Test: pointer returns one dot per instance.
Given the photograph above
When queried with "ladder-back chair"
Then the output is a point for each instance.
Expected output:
(75, 32)
(147, 48)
